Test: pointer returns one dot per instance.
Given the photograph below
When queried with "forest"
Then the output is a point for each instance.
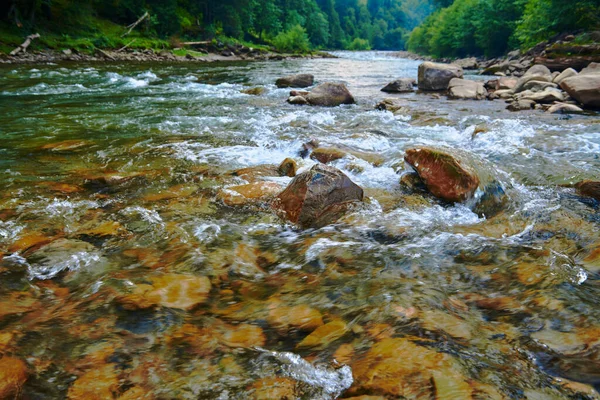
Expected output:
(492, 27)
(441, 28)
(287, 24)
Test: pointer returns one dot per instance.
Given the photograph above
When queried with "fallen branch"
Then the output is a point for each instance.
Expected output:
(105, 54)
(136, 23)
(23, 47)
(126, 46)
(196, 43)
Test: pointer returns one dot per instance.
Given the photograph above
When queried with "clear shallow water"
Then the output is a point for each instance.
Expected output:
(112, 181)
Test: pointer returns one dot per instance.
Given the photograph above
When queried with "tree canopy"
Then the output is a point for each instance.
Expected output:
(330, 24)
(491, 27)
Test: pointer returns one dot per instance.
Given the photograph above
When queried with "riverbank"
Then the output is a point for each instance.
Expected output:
(149, 55)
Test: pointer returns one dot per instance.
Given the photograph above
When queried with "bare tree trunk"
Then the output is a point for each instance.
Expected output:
(136, 23)
(23, 47)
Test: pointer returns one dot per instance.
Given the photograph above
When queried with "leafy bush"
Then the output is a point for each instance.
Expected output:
(359, 44)
(294, 40)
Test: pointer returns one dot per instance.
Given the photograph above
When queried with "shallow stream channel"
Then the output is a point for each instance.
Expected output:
(129, 269)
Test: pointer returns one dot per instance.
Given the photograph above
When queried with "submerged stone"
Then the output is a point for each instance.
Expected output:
(99, 383)
(273, 388)
(181, 291)
(317, 197)
(13, 374)
(250, 193)
(324, 335)
(255, 91)
(444, 175)
(398, 368)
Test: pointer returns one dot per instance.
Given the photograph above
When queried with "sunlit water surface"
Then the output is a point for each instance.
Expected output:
(111, 190)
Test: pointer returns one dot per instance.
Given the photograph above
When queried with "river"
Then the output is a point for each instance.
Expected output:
(124, 274)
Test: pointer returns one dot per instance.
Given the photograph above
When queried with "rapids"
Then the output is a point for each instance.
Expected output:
(111, 182)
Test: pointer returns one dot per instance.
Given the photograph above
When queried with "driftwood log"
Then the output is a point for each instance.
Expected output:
(196, 43)
(126, 46)
(23, 47)
(136, 23)
(105, 54)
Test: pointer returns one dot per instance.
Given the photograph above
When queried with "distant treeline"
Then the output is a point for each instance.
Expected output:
(327, 24)
(461, 28)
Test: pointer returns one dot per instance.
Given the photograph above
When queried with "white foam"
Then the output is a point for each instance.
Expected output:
(331, 382)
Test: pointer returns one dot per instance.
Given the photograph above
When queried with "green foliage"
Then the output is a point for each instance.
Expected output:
(491, 27)
(326, 23)
(359, 44)
(294, 40)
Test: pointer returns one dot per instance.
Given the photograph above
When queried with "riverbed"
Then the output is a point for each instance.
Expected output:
(127, 273)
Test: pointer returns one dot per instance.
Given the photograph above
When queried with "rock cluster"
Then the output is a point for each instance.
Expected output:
(555, 92)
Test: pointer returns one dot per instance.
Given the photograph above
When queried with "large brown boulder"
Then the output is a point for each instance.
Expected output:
(298, 81)
(402, 85)
(585, 88)
(330, 95)
(317, 197)
(436, 76)
(464, 89)
(444, 175)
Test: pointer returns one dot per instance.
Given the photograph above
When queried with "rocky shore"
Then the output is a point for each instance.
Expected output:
(209, 54)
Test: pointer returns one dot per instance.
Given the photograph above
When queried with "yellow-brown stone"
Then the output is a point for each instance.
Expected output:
(274, 388)
(324, 335)
(13, 374)
(181, 291)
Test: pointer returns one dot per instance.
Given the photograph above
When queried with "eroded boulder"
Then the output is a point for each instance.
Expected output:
(445, 176)
(546, 96)
(538, 72)
(297, 81)
(567, 73)
(330, 95)
(402, 85)
(521, 105)
(585, 88)
(464, 89)
(317, 197)
(436, 76)
(564, 108)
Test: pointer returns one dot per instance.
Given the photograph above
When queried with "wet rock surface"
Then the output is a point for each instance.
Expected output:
(296, 81)
(121, 174)
(402, 85)
(317, 197)
(443, 174)
(463, 89)
(330, 95)
(436, 76)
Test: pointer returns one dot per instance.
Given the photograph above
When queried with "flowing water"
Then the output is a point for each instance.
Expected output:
(126, 273)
